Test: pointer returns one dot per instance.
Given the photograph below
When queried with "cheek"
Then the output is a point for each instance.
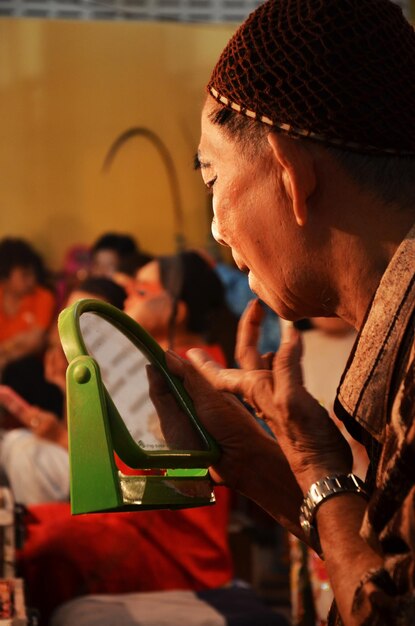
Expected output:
(159, 309)
(151, 312)
(132, 308)
(228, 216)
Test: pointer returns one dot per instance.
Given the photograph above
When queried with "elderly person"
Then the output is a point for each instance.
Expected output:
(308, 149)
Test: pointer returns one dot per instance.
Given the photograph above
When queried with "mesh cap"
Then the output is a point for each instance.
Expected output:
(337, 71)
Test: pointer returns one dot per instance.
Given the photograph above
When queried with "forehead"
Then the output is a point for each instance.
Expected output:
(22, 270)
(209, 107)
(213, 140)
(149, 273)
(79, 294)
(245, 145)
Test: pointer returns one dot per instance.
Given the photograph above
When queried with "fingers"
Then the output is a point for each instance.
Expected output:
(287, 368)
(254, 386)
(199, 388)
(246, 351)
(220, 378)
(14, 403)
(267, 360)
(35, 419)
(205, 374)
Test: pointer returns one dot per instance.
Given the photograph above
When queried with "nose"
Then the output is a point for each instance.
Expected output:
(216, 235)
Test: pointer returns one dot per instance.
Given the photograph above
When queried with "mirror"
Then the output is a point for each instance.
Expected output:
(125, 375)
(124, 405)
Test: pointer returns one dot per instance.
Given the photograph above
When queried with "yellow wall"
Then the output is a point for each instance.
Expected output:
(67, 90)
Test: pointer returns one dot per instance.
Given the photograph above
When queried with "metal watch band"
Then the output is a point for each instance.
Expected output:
(320, 491)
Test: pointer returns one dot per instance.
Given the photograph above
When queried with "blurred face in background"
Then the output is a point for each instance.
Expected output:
(21, 281)
(148, 302)
(104, 263)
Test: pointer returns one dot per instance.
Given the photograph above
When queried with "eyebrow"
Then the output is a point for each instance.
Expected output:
(198, 164)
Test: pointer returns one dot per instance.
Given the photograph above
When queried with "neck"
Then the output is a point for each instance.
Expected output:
(356, 235)
(364, 257)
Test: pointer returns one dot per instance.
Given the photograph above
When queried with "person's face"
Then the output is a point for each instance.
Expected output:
(148, 303)
(251, 213)
(104, 263)
(22, 281)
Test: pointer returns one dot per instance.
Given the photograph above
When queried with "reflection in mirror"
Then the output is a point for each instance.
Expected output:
(131, 381)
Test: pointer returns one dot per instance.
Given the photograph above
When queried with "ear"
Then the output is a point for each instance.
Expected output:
(298, 172)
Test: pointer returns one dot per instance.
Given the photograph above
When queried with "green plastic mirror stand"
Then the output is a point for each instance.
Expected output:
(95, 479)
(93, 473)
(96, 430)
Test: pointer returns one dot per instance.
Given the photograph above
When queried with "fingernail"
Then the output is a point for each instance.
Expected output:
(286, 331)
(196, 354)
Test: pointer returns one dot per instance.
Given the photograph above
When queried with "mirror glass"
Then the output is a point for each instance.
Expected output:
(138, 389)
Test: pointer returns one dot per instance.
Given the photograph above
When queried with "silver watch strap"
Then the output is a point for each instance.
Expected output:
(322, 490)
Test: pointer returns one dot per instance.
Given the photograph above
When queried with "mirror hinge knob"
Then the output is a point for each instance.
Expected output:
(81, 374)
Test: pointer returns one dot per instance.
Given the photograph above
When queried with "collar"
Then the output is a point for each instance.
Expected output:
(364, 389)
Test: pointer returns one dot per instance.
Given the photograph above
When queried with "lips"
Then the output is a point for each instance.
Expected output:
(240, 265)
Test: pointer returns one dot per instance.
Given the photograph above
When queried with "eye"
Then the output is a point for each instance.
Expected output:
(209, 184)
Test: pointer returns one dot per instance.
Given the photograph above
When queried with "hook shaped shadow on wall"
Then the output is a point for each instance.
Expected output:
(166, 157)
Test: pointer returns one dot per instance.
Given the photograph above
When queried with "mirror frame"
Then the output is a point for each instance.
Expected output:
(129, 451)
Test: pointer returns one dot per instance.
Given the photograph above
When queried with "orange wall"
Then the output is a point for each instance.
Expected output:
(67, 90)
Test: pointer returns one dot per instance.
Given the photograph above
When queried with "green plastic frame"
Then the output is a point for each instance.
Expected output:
(94, 419)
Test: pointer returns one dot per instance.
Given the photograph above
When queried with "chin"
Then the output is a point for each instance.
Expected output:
(256, 287)
(279, 307)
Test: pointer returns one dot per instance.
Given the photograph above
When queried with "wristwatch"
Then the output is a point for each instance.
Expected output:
(322, 490)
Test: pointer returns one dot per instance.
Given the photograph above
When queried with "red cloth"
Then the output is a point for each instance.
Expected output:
(67, 556)
(36, 310)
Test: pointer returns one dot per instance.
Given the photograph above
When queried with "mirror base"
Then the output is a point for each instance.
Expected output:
(140, 493)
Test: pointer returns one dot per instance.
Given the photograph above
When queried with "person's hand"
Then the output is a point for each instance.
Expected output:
(55, 365)
(311, 442)
(12, 402)
(174, 425)
(45, 425)
(239, 436)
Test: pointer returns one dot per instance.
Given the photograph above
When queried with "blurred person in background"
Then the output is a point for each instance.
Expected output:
(180, 301)
(27, 306)
(109, 251)
(34, 457)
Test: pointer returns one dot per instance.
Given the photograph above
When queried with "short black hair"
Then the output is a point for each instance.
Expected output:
(16, 252)
(104, 288)
(189, 278)
(123, 245)
(129, 265)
